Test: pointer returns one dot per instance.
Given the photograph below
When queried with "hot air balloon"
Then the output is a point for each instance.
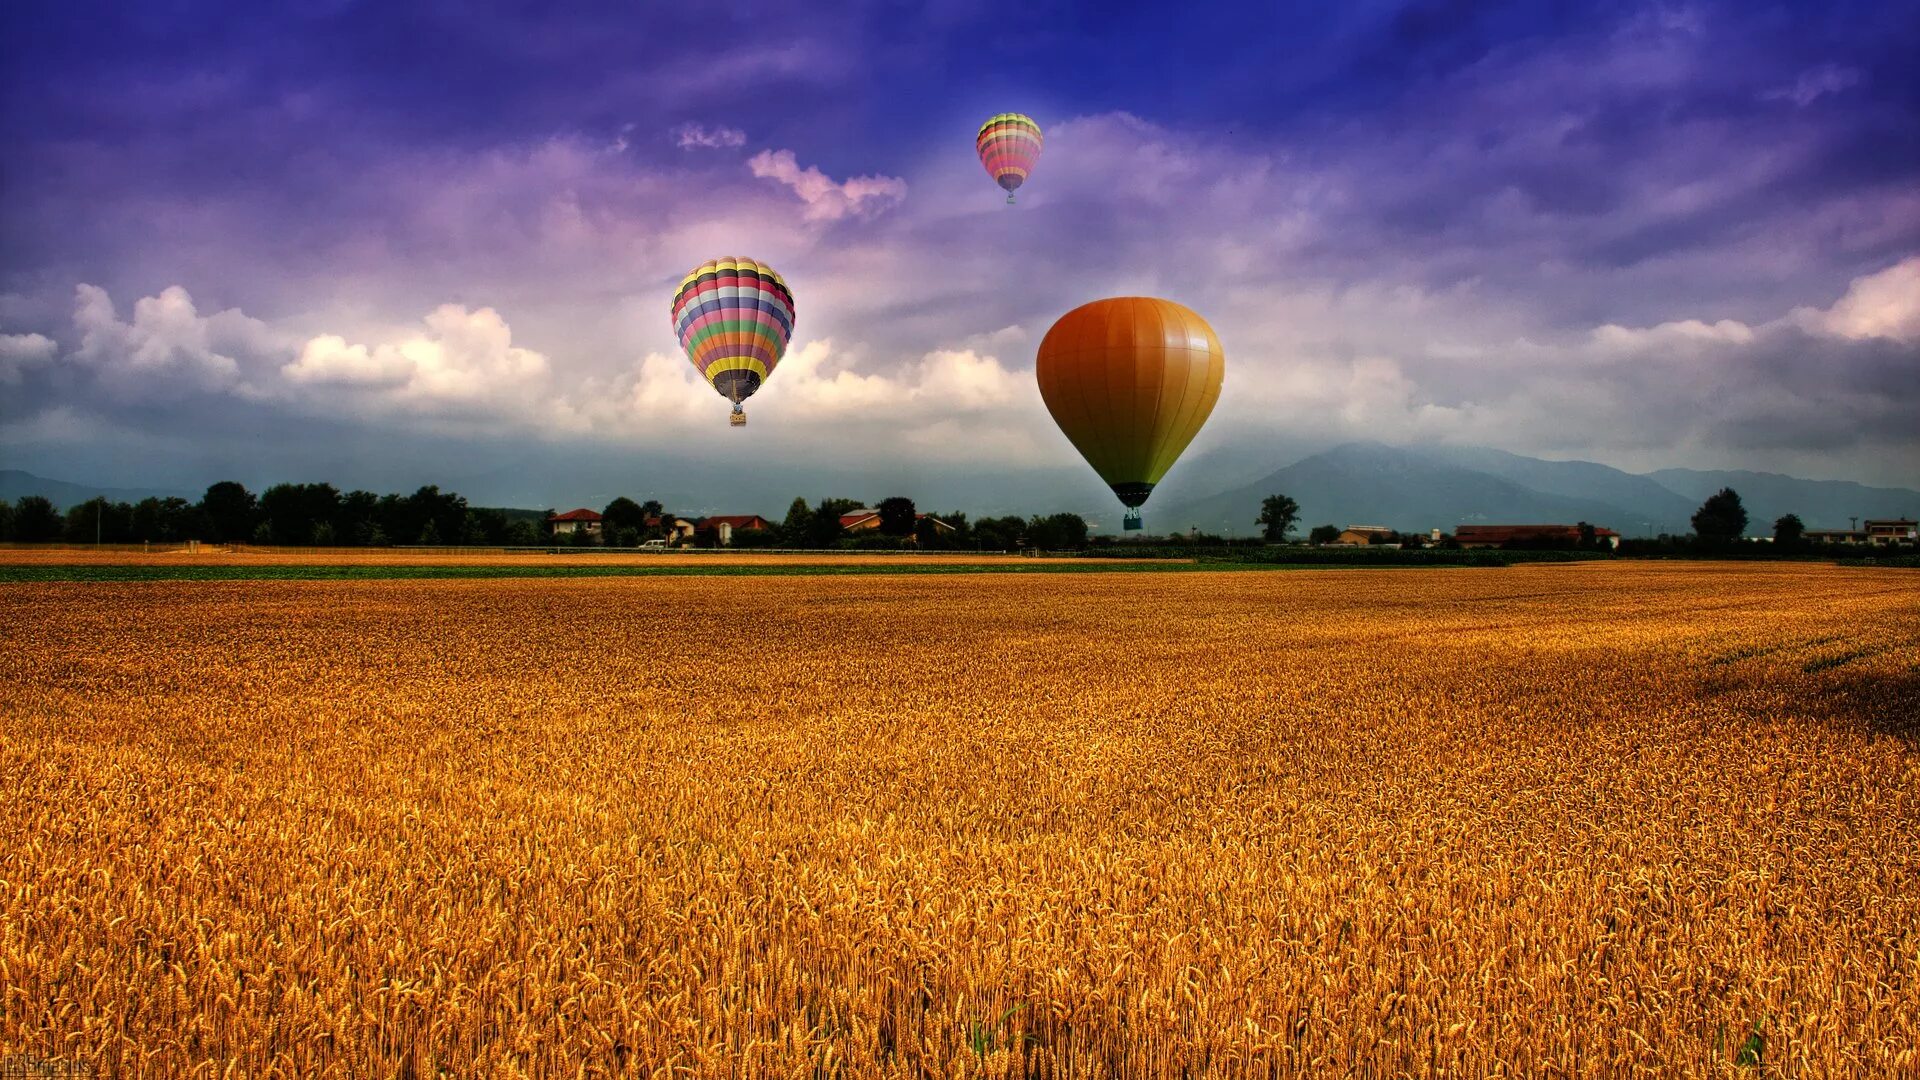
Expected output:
(1130, 381)
(733, 317)
(1009, 144)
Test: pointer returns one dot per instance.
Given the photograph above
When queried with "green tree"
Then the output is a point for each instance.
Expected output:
(1323, 534)
(896, 516)
(165, 520)
(824, 528)
(798, 525)
(623, 514)
(101, 520)
(934, 538)
(298, 510)
(398, 519)
(358, 520)
(1278, 513)
(6, 520)
(231, 512)
(485, 526)
(1057, 532)
(651, 510)
(522, 533)
(1721, 519)
(999, 534)
(1788, 530)
(35, 520)
(444, 512)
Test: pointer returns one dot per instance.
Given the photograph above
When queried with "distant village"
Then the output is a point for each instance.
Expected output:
(587, 526)
(720, 530)
(320, 515)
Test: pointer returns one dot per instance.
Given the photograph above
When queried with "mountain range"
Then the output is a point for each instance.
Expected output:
(1417, 488)
(15, 484)
(1411, 488)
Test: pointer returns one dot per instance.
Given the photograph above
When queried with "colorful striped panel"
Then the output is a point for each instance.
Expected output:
(734, 318)
(1009, 145)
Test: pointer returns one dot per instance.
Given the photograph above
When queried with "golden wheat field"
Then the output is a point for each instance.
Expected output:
(1543, 821)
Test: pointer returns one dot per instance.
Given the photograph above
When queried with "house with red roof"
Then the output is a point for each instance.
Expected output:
(678, 529)
(721, 527)
(574, 521)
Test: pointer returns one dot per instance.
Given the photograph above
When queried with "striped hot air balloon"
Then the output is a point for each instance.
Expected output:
(1009, 144)
(733, 317)
(1130, 381)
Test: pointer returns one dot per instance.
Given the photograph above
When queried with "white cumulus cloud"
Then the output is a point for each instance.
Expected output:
(19, 352)
(168, 348)
(1882, 305)
(827, 199)
(460, 357)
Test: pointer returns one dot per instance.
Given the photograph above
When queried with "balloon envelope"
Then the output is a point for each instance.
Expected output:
(733, 316)
(1009, 145)
(1130, 381)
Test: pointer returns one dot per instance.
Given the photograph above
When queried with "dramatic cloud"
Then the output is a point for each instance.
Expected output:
(1806, 384)
(19, 352)
(1884, 305)
(826, 199)
(700, 137)
(169, 350)
(830, 406)
(461, 364)
(462, 358)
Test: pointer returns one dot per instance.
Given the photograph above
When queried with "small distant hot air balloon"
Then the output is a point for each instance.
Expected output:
(733, 317)
(1130, 381)
(1009, 144)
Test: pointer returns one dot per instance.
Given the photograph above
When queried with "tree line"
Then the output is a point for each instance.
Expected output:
(1719, 524)
(320, 515)
(317, 515)
(625, 523)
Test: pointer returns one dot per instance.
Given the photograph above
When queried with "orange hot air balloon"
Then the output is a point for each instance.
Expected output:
(1130, 381)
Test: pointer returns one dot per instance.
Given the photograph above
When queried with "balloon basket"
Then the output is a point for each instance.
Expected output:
(1131, 523)
(736, 418)
(1009, 200)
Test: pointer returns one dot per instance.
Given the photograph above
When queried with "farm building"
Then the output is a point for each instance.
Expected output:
(678, 529)
(868, 520)
(721, 527)
(582, 520)
(1363, 535)
(1493, 536)
(1892, 531)
(1883, 531)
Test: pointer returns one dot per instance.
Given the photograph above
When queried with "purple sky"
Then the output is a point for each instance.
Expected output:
(400, 243)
